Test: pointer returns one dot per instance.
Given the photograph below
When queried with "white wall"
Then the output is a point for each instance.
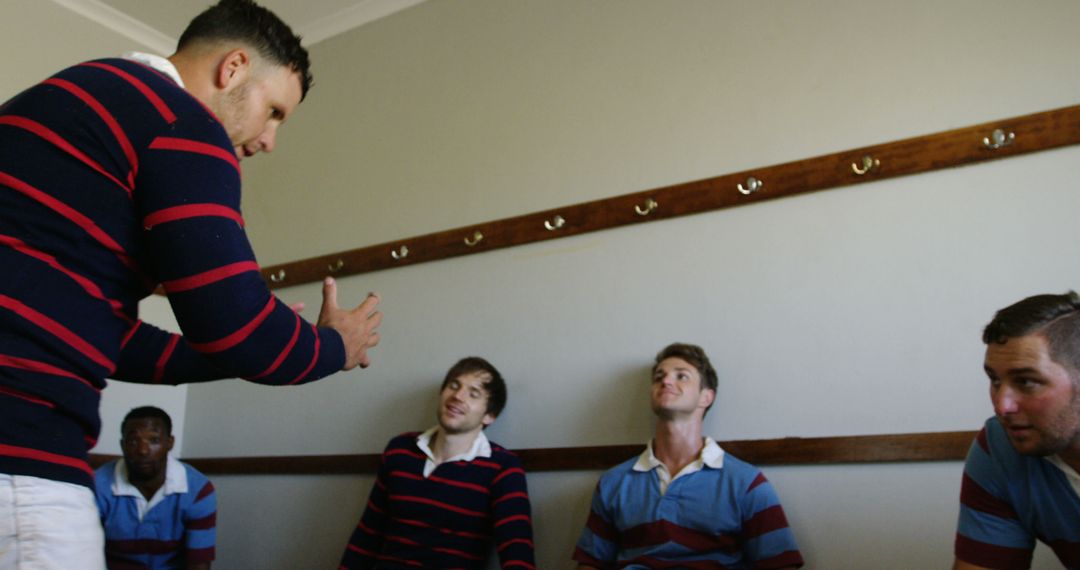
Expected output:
(852, 311)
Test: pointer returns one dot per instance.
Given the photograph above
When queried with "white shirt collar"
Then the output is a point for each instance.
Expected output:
(156, 62)
(175, 482)
(1070, 473)
(481, 447)
(712, 455)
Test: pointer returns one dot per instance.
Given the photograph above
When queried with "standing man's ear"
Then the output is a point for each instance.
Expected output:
(232, 67)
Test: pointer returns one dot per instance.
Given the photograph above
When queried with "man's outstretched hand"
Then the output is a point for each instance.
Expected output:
(356, 326)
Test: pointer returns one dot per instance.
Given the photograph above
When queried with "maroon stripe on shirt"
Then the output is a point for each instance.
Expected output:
(508, 520)
(207, 489)
(602, 528)
(238, 336)
(36, 455)
(975, 497)
(442, 530)
(991, 555)
(191, 211)
(407, 452)
(207, 522)
(1067, 552)
(757, 481)
(87, 285)
(513, 541)
(507, 473)
(24, 396)
(185, 145)
(68, 213)
(517, 495)
(58, 141)
(663, 531)
(130, 333)
(765, 521)
(44, 368)
(981, 440)
(106, 116)
(582, 557)
(439, 504)
(199, 555)
(782, 560)
(443, 480)
(159, 366)
(282, 354)
(455, 552)
(314, 358)
(209, 277)
(58, 330)
(162, 109)
(142, 546)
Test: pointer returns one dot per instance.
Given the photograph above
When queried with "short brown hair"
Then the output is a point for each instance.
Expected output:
(695, 356)
(1057, 317)
(495, 388)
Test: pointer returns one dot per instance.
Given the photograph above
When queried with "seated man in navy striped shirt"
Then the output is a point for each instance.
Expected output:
(157, 512)
(684, 502)
(443, 498)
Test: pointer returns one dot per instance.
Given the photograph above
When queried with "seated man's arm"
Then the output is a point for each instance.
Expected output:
(598, 545)
(512, 514)
(769, 541)
(200, 520)
(366, 540)
(989, 533)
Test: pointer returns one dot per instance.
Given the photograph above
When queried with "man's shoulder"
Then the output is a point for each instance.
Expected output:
(503, 456)
(105, 475)
(624, 469)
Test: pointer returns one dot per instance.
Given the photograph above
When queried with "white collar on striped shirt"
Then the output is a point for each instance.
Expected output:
(156, 62)
(481, 447)
(175, 482)
(1070, 473)
(711, 455)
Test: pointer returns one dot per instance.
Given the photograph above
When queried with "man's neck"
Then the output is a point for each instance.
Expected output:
(446, 445)
(677, 443)
(148, 487)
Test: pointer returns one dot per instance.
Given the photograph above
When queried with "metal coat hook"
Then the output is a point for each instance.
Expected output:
(868, 163)
(278, 277)
(336, 266)
(554, 223)
(474, 239)
(650, 205)
(999, 139)
(400, 253)
(752, 185)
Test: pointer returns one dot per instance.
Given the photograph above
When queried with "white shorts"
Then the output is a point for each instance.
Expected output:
(49, 525)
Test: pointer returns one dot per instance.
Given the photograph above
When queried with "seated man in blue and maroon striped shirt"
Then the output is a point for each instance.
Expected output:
(684, 502)
(445, 497)
(1022, 475)
(157, 512)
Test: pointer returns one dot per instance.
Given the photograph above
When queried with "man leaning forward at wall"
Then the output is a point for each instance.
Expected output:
(685, 502)
(445, 497)
(1022, 474)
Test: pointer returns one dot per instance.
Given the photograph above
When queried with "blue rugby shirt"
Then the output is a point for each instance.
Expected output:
(1008, 500)
(728, 517)
(178, 529)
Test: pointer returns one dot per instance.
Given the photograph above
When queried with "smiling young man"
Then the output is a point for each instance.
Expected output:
(116, 176)
(1022, 475)
(157, 512)
(684, 502)
(446, 497)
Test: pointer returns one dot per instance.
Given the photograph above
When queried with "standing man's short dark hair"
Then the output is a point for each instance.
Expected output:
(1021, 480)
(116, 176)
(469, 492)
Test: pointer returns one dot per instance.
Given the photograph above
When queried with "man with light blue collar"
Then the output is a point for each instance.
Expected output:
(684, 502)
(157, 512)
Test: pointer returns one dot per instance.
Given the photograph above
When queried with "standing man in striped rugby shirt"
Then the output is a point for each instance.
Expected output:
(684, 502)
(445, 497)
(117, 175)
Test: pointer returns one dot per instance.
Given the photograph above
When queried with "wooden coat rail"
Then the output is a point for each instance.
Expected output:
(988, 141)
(940, 446)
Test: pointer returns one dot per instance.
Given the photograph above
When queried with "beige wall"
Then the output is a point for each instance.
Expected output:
(852, 311)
